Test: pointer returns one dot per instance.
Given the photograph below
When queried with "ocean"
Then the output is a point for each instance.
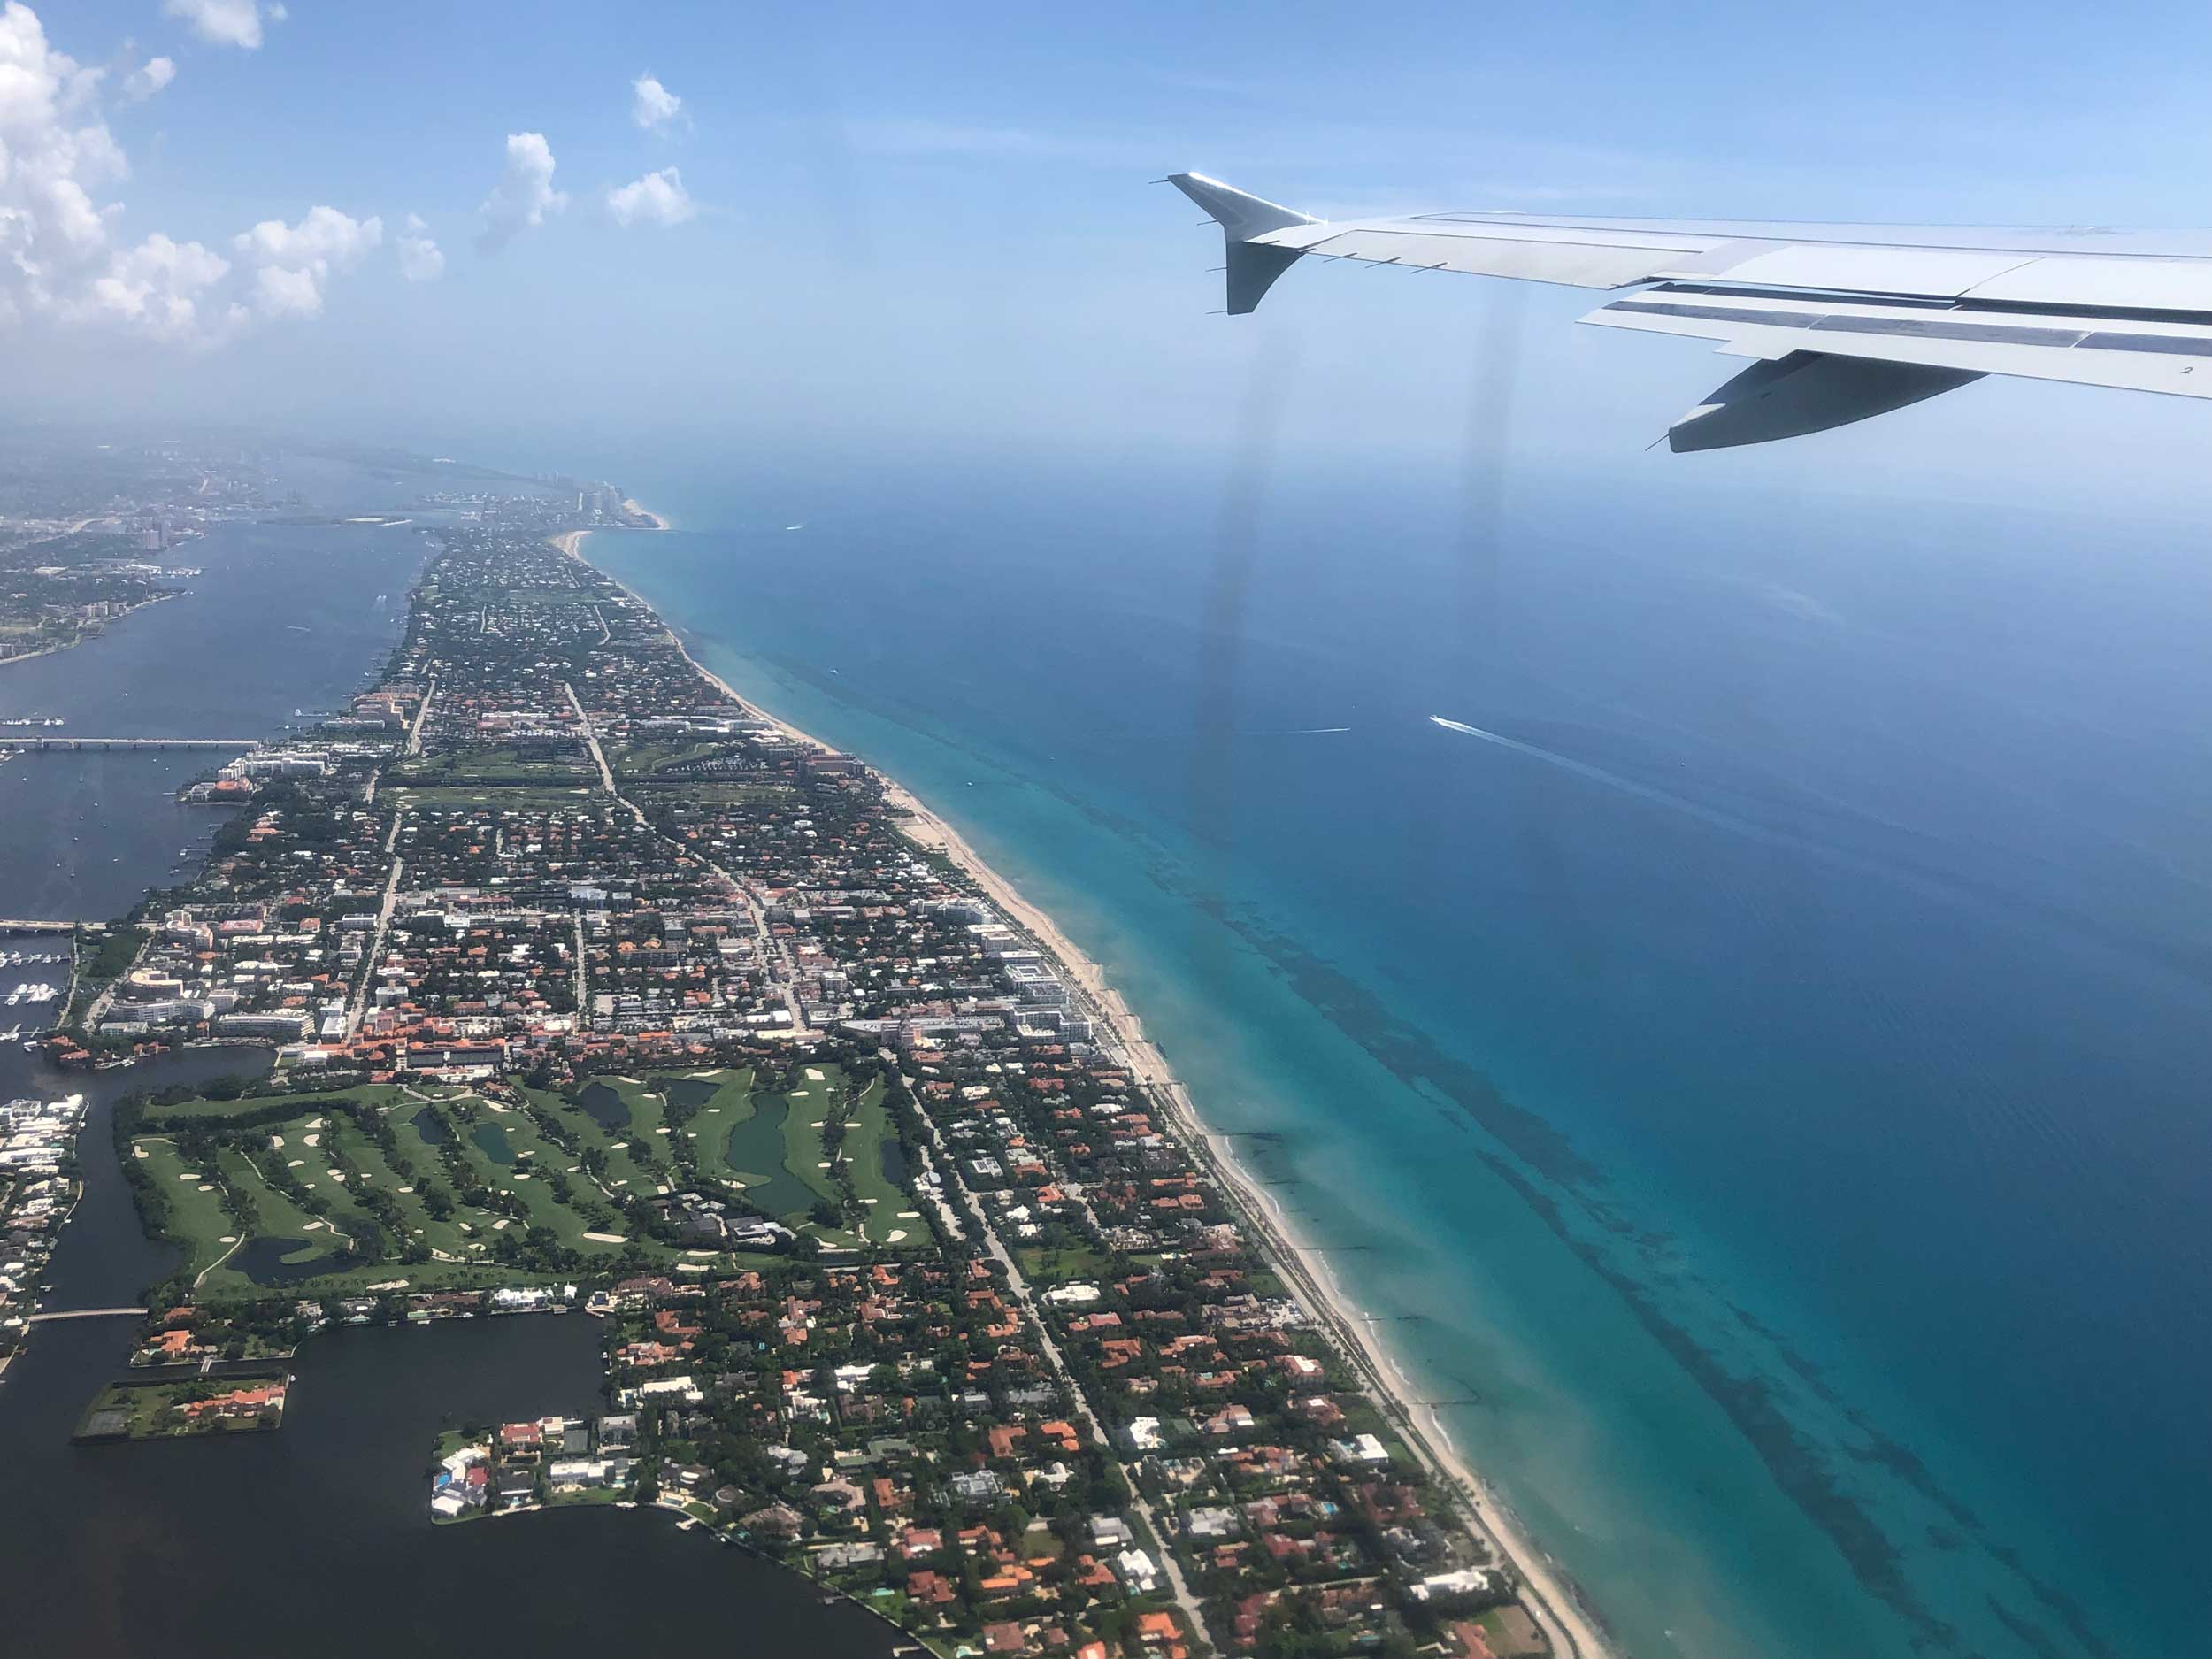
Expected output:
(1725, 984)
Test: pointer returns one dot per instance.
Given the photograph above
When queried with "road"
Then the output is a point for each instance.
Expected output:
(358, 1004)
(591, 742)
(414, 730)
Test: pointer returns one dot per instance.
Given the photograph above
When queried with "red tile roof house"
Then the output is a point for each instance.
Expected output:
(930, 1589)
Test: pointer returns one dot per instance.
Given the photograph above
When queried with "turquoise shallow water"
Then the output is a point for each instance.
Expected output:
(1752, 1094)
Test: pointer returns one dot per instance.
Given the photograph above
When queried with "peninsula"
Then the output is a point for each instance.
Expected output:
(594, 986)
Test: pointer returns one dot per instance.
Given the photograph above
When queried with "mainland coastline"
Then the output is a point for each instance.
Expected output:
(1561, 1605)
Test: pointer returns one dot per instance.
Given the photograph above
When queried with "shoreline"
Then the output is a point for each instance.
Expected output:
(1551, 1596)
(90, 635)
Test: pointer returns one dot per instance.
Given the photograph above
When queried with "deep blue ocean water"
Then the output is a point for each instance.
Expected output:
(1757, 1072)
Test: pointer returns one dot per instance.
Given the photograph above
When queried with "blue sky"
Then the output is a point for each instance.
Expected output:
(930, 227)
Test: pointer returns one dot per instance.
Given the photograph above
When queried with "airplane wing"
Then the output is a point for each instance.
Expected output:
(1841, 321)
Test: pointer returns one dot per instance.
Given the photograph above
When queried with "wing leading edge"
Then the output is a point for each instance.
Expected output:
(1843, 321)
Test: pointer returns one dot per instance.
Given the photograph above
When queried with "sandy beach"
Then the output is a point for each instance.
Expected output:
(1550, 1596)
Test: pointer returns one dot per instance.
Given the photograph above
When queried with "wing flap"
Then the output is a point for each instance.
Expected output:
(2173, 358)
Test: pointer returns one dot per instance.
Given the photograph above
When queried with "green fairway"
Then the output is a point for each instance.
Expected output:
(521, 798)
(642, 760)
(457, 768)
(525, 1171)
(720, 1102)
(196, 1207)
(759, 1153)
(614, 1120)
(445, 1142)
(876, 1168)
(442, 1239)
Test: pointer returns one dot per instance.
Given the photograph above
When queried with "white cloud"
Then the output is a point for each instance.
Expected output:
(524, 196)
(59, 257)
(653, 106)
(658, 198)
(65, 261)
(225, 22)
(149, 78)
(420, 258)
(158, 288)
(292, 263)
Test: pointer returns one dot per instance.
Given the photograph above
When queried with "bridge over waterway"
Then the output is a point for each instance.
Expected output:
(28, 743)
(87, 1313)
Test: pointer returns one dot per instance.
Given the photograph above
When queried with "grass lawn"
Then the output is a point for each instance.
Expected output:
(523, 1172)
(876, 1168)
(727, 1103)
(147, 1410)
(197, 1217)
(495, 764)
(630, 1169)
(295, 1249)
(441, 1238)
(583, 1496)
(438, 797)
(730, 794)
(303, 1105)
(642, 760)
(1048, 1266)
(649, 1126)
(301, 1242)
(762, 1148)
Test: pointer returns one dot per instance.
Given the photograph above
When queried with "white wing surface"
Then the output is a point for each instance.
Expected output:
(1843, 321)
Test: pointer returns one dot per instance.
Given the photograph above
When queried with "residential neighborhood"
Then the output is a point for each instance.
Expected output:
(38, 1189)
(590, 987)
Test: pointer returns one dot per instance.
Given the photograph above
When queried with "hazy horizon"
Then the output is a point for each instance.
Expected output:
(873, 231)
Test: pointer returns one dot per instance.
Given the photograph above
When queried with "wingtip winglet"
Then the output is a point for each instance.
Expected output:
(1252, 268)
(1241, 216)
